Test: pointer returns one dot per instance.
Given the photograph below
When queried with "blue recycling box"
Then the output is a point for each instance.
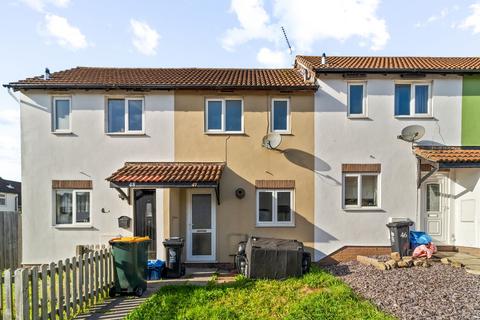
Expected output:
(155, 269)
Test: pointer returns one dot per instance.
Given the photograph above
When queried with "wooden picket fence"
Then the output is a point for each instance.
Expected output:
(57, 290)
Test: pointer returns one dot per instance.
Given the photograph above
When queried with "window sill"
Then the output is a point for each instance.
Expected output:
(73, 226)
(373, 209)
(358, 117)
(283, 133)
(415, 117)
(62, 133)
(125, 133)
(225, 133)
(273, 225)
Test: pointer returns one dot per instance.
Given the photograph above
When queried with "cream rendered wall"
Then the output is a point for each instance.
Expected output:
(373, 140)
(87, 153)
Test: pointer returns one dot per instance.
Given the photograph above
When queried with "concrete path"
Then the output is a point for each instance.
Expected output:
(119, 307)
(471, 262)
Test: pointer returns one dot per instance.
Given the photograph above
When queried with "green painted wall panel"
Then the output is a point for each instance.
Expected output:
(471, 111)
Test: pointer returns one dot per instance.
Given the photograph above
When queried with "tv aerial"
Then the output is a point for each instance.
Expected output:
(271, 141)
(412, 133)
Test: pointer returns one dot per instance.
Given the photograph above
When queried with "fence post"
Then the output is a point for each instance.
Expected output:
(87, 279)
(74, 285)
(53, 296)
(92, 275)
(21, 295)
(7, 313)
(81, 287)
(97, 276)
(35, 293)
(68, 285)
(44, 275)
(61, 296)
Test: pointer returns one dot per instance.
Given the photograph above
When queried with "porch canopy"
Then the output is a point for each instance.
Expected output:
(434, 158)
(167, 175)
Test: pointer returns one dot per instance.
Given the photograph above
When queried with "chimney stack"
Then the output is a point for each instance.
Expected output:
(47, 74)
(324, 58)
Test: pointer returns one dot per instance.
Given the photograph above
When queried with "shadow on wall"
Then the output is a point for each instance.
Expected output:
(310, 162)
(468, 181)
(430, 143)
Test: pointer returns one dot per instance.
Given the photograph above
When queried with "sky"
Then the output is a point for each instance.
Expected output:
(61, 34)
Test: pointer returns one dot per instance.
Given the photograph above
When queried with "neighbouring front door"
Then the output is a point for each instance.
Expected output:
(144, 219)
(201, 226)
(434, 205)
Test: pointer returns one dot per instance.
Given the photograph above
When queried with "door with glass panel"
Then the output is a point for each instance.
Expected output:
(201, 226)
(434, 205)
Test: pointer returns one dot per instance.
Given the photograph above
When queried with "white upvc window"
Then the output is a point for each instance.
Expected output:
(3, 199)
(275, 208)
(280, 115)
(357, 99)
(413, 99)
(224, 115)
(62, 115)
(72, 207)
(361, 191)
(125, 116)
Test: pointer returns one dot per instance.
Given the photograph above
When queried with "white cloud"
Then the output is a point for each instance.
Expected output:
(145, 38)
(273, 59)
(64, 33)
(441, 15)
(307, 21)
(473, 20)
(39, 5)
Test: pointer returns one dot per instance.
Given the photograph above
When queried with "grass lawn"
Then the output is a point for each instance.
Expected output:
(317, 295)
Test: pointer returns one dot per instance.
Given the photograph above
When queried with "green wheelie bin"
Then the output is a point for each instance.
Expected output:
(130, 265)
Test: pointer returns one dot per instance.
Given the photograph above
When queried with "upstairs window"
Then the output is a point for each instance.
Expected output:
(356, 100)
(281, 115)
(125, 115)
(224, 116)
(61, 114)
(412, 100)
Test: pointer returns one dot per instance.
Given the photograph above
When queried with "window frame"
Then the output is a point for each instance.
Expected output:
(4, 197)
(222, 130)
(364, 113)
(272, 116)
(413, 113)
(275, 222)
(359, 206)
(125, 109)
(74, 223)
(54, 114)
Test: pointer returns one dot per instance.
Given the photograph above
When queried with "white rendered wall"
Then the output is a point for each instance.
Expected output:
(373, 140)
(87, 153)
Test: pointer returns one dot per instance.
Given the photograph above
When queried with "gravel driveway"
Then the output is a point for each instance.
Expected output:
(438, 292)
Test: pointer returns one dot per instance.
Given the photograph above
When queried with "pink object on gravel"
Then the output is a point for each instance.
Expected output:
(425, 250)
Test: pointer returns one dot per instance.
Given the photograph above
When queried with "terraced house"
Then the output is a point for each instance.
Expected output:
(181, 152)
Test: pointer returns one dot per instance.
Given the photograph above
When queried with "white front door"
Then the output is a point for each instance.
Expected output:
(201, 226)
(434, 215)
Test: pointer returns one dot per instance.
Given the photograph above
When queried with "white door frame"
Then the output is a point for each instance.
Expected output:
(443, 181)
(212, 257)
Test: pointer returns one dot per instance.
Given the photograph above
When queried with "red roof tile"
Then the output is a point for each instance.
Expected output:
(167, 78)
(449, 154)
(392, 64)
(168, 172)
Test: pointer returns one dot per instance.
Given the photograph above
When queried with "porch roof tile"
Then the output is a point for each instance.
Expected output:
(168, 172)
(449, 154)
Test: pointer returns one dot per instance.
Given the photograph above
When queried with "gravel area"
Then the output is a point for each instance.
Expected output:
(438, 292)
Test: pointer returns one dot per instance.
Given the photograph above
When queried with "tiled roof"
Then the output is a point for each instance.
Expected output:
(392, 64)
(167, 78)
(168, 172)
(449, 154)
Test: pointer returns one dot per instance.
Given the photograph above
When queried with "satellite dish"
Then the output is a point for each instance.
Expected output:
(272, 140)
(412, 133)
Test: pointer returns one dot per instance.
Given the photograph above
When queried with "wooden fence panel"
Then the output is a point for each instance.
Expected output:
(10, 240)
(58, 290)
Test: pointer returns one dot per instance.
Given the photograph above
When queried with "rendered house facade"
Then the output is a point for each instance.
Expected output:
(367, 177)
(178, 152)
